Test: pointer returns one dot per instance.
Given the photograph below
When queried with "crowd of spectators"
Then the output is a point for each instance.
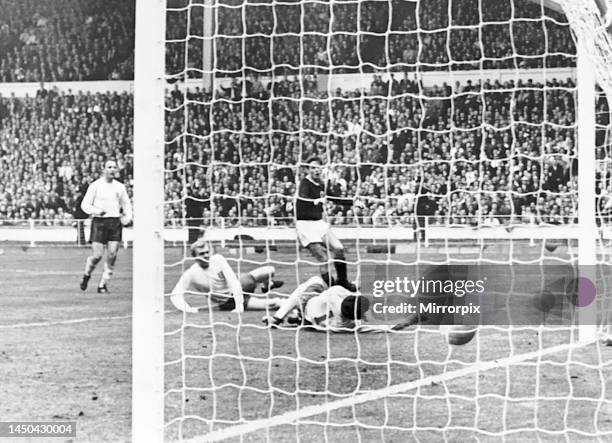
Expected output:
(54, 144)
(467, 153)
(473, 153)
(66, 40)
(470, 153)
(353, 36)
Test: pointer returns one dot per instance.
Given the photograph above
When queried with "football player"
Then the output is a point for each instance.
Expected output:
(212, 276)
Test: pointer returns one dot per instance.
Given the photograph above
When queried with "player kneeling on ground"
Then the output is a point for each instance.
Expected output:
(334, 308)
(214, 277)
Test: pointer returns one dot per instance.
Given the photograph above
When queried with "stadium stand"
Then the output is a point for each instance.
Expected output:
(503, 43)
(39, 41)
(543, 190)
(54, 143)
(66, 40)
(293, 36)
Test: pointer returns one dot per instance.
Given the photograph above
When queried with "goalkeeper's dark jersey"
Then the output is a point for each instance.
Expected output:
(308, 192)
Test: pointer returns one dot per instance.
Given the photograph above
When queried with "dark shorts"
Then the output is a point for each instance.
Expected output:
(104, 230)
(230, 304)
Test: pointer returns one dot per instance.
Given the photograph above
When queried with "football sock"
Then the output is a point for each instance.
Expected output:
(90, 265)
(106, 275)
(340, 266)
(326, 278)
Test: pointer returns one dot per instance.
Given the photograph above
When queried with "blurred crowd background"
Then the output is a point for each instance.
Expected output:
(470, 152)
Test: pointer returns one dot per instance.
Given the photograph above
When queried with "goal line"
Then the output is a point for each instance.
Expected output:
(309, 411)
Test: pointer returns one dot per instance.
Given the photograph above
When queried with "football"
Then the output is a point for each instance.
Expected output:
(544, 301)
(458, 334)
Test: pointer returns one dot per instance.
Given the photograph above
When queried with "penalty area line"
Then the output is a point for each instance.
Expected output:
(309, 411)
(50, 272)
(70, 321)
(63, 322)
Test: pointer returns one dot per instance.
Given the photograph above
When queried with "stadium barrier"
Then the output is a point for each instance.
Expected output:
(325, 82)
(428, 78)
(34, 232)
(31, 88)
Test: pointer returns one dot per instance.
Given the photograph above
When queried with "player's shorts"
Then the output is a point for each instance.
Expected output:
(105, 229)
(230, 304)
(311, 231)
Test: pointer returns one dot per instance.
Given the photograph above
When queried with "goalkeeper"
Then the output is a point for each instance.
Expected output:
(334, 309)
(214, 277)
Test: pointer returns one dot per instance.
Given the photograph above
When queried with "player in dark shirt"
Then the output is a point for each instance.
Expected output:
(313, 231)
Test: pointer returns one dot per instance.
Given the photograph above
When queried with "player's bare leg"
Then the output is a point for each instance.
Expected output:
(112, 249)
(249, 285)
(265, 276)
(314, 285)
(97, 251)
(318, 251)
(262, 304)
(335, 245)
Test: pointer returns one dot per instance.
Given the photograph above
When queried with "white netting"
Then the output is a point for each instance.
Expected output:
(453, 127)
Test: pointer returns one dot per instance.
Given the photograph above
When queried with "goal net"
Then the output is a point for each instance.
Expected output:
(460, 132)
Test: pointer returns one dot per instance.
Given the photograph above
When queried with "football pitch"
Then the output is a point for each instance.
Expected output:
(66, 355)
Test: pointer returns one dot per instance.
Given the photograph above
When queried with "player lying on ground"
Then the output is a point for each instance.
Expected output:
(333, 309)
(212, 276)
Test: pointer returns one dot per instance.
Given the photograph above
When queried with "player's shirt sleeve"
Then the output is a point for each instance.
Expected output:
(333, 195)
(222, 267)
(87, 205)
(184, 284)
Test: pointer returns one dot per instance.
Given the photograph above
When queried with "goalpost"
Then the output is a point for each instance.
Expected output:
(148, 246)
(196, 377)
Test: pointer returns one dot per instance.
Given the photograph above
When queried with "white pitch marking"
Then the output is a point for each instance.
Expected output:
(71, 321)
(63, 322)
(38, 272)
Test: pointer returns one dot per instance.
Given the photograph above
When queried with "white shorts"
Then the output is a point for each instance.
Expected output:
(311, 231)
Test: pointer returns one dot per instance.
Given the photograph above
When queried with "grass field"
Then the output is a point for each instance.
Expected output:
(66, 355)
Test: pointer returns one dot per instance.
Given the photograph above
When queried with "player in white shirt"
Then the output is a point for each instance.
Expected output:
(107, 201)
(333, 309)
(213, 277)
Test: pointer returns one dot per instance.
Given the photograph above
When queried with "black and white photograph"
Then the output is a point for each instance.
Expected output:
(306, 221)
